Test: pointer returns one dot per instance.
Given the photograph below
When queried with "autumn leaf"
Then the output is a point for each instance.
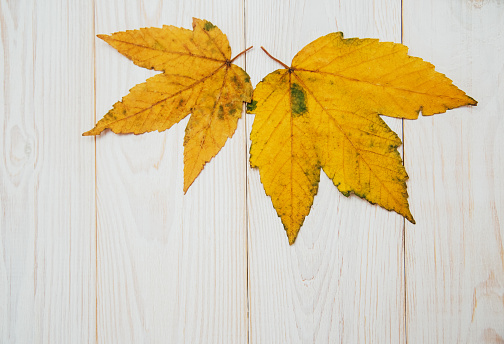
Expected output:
(324, 112)
(198, 78)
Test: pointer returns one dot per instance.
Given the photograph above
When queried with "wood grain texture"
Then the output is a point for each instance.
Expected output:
(171, 267)
(47, 220)
(342, 281)
(113, 252)
(455, 253)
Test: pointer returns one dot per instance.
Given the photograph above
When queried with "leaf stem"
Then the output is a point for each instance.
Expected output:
(243, 52)
(277, 60)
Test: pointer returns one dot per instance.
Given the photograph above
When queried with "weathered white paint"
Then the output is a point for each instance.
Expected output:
(99, 244)
(455, 253)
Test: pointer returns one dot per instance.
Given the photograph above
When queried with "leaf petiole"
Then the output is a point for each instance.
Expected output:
(275, 59)
(243, 52)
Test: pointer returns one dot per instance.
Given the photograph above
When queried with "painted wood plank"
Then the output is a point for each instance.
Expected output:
(171, 267)
(455, 253)
(47, 194)
(342, 281)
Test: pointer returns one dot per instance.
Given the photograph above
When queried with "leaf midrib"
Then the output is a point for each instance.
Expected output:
(171, 96)
(374, 84)
(346, 136)
(168, 51)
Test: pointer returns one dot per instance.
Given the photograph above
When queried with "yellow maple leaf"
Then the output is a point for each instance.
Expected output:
(324, 112)
(198, 78)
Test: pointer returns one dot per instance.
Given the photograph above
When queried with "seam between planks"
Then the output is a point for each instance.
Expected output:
(248, 321)
(405, 307)
(93, 4)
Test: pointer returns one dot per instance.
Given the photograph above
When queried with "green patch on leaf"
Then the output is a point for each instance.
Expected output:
(251, 106)
(298, 100)
(220, 113)
(208, 26)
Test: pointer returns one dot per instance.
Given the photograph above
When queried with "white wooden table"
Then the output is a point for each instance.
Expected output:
(98, 244)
